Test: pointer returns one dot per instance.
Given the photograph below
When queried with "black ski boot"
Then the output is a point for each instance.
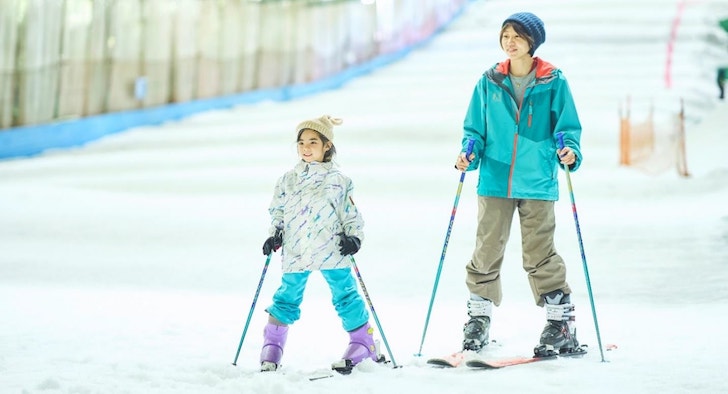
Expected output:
(475, 332)
(559, 334)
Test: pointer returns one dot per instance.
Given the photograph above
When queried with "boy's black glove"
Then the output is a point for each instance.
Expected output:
(349, 245)
(273, 243)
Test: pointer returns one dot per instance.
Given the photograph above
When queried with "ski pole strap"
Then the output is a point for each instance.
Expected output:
(561, 312)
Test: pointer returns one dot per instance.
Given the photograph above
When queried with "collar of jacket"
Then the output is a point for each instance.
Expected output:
(303, 168)
(544, 69)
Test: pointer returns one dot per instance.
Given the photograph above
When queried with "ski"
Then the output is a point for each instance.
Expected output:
(345, 367)
(341, 367)
(511, 361)
(310, 375)
(452, 361)
(458, 358)
(319, 377)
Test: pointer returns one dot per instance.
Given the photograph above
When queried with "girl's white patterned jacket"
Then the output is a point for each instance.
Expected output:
(313, 205)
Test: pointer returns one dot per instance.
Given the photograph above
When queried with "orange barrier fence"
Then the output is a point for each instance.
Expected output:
(652, 146)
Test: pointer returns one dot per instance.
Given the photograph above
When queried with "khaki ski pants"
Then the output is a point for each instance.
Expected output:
(546, 269)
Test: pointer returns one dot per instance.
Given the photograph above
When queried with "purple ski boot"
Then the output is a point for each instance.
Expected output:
(274, 339)
(361, 346)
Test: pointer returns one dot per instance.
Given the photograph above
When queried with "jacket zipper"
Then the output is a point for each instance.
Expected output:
(513, 162)
(515, 145)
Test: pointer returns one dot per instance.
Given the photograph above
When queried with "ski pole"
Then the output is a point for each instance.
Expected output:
(371, 307)
(252, 307)
(560, 137)
(468, 151)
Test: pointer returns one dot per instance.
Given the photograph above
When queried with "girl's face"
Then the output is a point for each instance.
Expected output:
(514, 45)
(310, 146)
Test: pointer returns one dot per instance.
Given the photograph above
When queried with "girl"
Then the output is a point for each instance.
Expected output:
(515, 113)
(316, 222)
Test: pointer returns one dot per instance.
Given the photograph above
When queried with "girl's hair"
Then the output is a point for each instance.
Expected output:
(519, 30)
(329, 154)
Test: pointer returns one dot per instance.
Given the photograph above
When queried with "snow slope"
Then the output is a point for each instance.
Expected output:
(129, 266)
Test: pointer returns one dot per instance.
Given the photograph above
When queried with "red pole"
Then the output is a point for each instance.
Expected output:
(671, 43)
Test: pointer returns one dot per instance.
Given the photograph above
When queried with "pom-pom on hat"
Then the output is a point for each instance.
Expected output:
(533, 26)
(324, 125)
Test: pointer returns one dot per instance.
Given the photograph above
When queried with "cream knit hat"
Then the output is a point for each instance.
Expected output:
(324, 125)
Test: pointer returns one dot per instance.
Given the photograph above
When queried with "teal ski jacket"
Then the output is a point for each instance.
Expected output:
(515, 148)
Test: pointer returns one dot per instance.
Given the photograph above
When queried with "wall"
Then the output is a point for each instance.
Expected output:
(88, 68)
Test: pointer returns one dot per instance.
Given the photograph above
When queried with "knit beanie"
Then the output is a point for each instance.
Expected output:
(324, 125)
(533, 26)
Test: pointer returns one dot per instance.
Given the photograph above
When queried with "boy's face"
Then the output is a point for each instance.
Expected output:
(310, 146)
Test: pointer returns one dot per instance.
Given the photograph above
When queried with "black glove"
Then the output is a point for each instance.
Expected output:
(349, 244)
(273, 243)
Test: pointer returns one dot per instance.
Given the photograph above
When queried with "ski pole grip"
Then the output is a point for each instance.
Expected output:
(560, 136)
(471, 143)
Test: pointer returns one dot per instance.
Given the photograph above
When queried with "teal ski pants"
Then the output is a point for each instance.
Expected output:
(348, 303)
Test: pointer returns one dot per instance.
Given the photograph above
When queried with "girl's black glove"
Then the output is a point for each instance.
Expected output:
(273, 243)
(349, 245)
